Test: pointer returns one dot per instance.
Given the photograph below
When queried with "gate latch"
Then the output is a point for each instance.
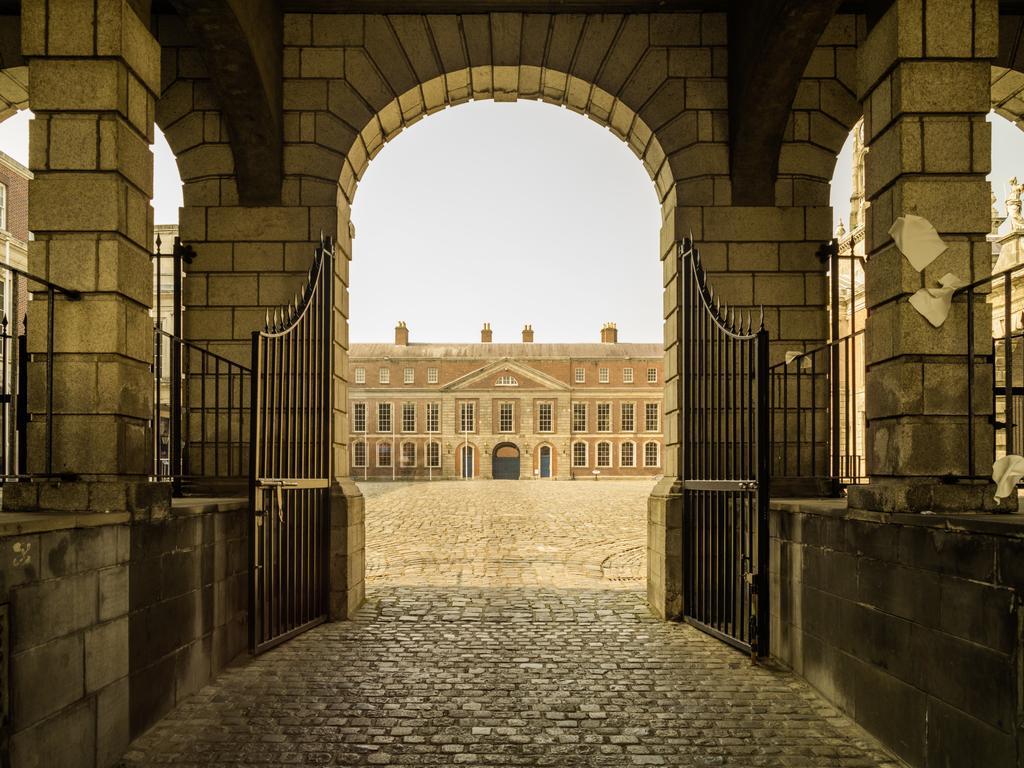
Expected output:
(748, 485)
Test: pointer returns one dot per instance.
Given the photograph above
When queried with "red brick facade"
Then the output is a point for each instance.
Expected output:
(567, 409)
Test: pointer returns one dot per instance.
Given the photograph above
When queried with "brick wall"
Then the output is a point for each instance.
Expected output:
(908, 623)
(17, 201)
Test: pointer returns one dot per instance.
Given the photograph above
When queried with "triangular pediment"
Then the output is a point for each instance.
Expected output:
(488, 376)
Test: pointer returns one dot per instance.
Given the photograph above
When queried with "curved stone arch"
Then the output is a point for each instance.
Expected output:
(532, 83)
(1008, 94)
(13, 91)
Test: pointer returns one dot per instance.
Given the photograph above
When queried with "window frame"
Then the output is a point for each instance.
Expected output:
(597, 455)
(632, 417)
(409, 376)
(359, 375)
(432, 447)
(580, 376)
(506, 380)
(356, 408)
(467, 407)
(604, 375)
(647, 417)
(4, 201)
(627, 375)
(383, 446)
(433, 414)
(652, 375)
(383, 375)
(406, 408)
(657, 454)
(576, 406)
(511, 412)
(632, 446)
(390, 418)
(432, 376)
(586, 454)
(355, 454)
(607, 407)
(402, 455)
(550, 407)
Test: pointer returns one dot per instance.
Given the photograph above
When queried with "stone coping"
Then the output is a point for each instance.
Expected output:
(996, 525)
(20, 523)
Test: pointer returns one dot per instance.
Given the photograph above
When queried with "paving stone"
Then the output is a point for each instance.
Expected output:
(492, 636)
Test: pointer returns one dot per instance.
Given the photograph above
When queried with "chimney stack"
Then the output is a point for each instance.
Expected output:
(609, 334)
(527, 334)
(401, 334)
(485, 334)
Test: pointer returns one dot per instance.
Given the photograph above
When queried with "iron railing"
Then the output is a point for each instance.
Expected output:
(995, 367)
(200, 425)
(14, 413)
(818, 414)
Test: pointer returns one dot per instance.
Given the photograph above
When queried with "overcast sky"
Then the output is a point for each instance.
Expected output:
(508, 214)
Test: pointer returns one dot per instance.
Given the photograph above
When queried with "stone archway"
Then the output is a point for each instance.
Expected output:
(13, 91)
(1008, 94)
(505, 462)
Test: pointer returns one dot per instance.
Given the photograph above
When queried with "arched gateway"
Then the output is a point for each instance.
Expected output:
(505, 462)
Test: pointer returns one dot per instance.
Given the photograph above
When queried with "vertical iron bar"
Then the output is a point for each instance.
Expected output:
(1008, 363)
(970, 382)
(834, 387)
(50, 306)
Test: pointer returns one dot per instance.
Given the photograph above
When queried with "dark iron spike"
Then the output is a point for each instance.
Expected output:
(760, 326)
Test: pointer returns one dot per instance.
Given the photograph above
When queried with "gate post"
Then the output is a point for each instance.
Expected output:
(94, 69)
(925, 78)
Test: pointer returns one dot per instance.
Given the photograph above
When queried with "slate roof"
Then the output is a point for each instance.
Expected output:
(498, 351)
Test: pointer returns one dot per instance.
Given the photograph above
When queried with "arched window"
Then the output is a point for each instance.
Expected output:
(408, 454)
(604, 454)
(627, 455)
(651, 454)
(383, 454)
(359, 454)
(579, 454)
(507, 380)
(433, 454)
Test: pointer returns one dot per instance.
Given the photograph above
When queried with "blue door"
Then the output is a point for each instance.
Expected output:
(467, 461)
(545, 461)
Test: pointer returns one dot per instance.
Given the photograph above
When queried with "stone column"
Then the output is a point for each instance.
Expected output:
(94, 70)
(924, 80)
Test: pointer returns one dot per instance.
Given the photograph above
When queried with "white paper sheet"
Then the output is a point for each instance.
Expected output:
(918, 240)
(793, 354)
(934, 303)
(1005, 474)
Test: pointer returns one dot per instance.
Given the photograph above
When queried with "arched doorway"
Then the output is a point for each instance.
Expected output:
(544, 461)
(466, 462)
(505, 464)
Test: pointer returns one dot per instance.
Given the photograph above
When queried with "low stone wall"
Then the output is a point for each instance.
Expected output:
(189, 602)
(910, 624)
(111, 623)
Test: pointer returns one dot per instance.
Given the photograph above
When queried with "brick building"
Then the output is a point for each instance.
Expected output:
(14, 235)
(505, 411)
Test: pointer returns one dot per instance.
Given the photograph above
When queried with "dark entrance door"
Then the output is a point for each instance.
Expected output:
(505, 465)
(545, 461)
(290, 463)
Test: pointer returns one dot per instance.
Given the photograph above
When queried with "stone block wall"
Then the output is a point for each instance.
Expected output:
(189, 606)
(113, 624)
(67, 596)
(910, 624)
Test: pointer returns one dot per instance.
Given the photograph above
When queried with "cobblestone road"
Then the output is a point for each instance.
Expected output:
(571, 534)
(511, 655)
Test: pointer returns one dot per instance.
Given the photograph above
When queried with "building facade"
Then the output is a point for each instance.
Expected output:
(505, 411)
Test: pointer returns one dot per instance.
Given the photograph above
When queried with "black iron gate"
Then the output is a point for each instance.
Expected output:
(724, 463)
(290, 458)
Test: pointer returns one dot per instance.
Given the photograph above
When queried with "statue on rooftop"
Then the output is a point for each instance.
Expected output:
(1013, 205)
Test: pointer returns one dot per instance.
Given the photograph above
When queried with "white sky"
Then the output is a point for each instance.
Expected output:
(508, 214)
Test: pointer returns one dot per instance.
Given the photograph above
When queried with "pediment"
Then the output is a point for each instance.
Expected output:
(505, 370)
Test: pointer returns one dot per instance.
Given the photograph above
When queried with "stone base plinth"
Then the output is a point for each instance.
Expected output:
(665, 550)
(928, 495)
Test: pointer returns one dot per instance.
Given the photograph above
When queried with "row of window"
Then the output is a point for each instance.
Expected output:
(506, 417)
(580, 376)
(580, 455)
(604, 375)
(603, 457)
(407, 455)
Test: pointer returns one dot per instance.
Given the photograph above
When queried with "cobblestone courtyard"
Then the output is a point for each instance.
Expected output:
(505, 625)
